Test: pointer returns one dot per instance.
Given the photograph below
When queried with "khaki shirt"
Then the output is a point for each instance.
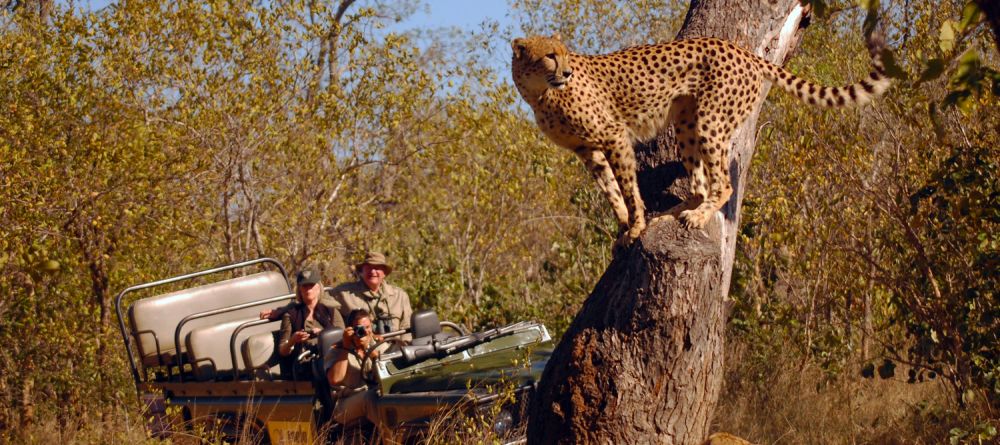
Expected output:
(355, 377)
(389, 301)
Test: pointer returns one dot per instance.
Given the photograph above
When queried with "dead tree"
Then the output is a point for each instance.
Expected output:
(642, 361)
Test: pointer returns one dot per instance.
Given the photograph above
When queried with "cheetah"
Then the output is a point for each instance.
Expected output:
(598, 106)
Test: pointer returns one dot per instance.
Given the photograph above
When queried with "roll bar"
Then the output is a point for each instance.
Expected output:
(121, 319)
(232, 343)
(209, 313)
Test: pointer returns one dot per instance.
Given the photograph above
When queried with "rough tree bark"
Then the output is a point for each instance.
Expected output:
(642, 360)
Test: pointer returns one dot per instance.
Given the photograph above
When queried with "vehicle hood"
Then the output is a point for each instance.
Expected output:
(522, 366)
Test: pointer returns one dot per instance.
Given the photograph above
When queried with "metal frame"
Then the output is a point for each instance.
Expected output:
(121, 319)
(232, 345)
(209, 313)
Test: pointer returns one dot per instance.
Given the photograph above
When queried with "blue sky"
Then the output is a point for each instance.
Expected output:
(467, 14)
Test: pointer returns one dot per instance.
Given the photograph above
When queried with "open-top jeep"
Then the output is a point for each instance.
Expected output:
(203, 350)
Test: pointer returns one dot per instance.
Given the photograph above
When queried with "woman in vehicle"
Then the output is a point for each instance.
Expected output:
(305, 319)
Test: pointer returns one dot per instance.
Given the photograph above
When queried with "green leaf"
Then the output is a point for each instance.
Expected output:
(966, 66)
(969, 396)
(947, 36)
(868, 4)
(970, 14)
(990, 431)
(955, 435)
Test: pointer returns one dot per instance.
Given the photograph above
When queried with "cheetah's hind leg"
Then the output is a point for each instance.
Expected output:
(715, 155)
(685, 124)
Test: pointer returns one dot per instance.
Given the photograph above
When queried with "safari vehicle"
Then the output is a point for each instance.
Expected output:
(200, 353)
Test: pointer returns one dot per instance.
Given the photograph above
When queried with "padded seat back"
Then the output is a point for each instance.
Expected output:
(260, 356)
(426, 327)
(208, 347)
(154, 319)
(327, 339)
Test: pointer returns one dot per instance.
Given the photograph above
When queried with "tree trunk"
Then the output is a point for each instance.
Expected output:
(642, 361)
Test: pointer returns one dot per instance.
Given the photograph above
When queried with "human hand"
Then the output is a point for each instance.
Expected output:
(266, 314)
(348, 340)
(300, 337)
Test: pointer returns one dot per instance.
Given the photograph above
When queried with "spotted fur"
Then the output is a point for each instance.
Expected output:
(600, 105)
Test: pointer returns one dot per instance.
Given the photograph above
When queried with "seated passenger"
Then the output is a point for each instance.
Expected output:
(304, 320)
(388, 305)
(346, 376)
(324, 299)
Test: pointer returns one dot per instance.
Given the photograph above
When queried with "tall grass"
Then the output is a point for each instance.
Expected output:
(793, 401)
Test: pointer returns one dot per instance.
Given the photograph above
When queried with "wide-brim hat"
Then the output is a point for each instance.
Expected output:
(308, 275)
(374, 259)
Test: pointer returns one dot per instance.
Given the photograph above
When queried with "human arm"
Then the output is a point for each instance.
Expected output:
(276, 313)
(289, 338)
(348, 371)
(338, 372)
(406, 313)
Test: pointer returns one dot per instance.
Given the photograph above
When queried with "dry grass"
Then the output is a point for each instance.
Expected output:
(792, 402)
(121, 427)
(781, 401)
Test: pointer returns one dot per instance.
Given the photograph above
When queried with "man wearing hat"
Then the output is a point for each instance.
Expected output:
(388, 305)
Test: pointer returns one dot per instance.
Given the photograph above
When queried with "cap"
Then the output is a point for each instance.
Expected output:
(308, 275)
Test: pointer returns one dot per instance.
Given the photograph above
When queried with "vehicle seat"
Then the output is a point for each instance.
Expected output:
(329, 338)
(154, 319)
(208, 347)
(260, 355)
(426, 327)
(326, 341)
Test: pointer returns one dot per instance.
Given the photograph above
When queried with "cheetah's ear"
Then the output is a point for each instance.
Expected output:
(556, 36)
(519, 46)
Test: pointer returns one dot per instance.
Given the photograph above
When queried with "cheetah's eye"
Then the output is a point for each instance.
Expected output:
(551, 56)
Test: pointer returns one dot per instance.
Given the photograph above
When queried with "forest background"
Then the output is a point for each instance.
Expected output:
(152, 138)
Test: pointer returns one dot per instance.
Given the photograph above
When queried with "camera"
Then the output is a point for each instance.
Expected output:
(360, 331)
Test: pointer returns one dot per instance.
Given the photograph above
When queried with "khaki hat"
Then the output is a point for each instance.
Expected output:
(308, 275)
(374, 259)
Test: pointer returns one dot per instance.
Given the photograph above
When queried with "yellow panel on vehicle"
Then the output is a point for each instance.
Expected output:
(290, 433)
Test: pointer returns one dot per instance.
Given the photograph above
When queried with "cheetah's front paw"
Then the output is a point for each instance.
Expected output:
(695, 219)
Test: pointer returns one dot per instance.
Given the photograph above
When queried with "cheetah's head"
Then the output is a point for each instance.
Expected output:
(540, 63)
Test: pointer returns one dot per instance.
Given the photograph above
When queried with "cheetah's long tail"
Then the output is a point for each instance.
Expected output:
(846, 96)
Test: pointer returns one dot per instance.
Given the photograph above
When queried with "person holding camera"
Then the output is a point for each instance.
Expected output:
(347, 372)
(387, 305)
(304, 320)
